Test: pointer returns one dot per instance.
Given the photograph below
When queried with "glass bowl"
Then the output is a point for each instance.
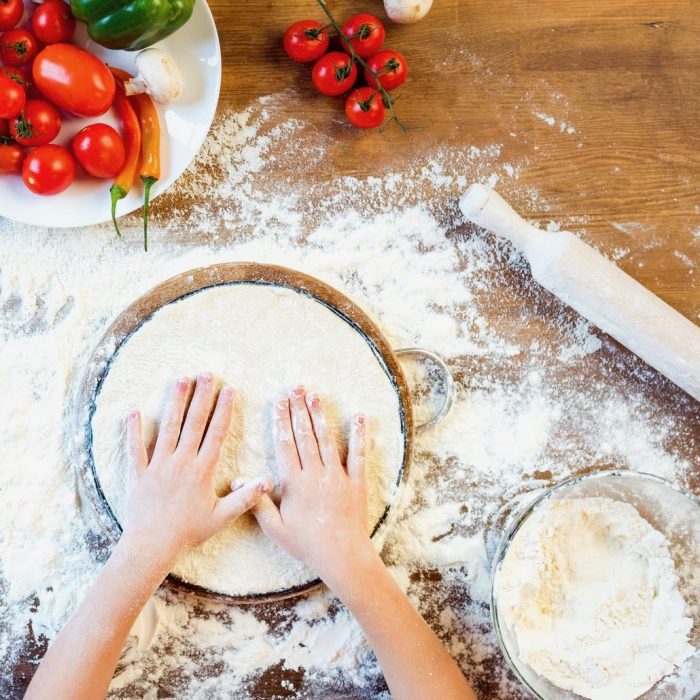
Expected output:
(672, 511)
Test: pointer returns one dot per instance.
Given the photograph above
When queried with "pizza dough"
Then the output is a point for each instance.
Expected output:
(263, 340)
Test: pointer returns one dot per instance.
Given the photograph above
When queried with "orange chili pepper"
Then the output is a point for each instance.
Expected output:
(132, 143)
(150, 145)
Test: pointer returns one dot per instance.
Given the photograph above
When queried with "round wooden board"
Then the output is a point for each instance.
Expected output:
(186, 284)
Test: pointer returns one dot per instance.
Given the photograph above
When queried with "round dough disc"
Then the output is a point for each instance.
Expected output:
(263, 340)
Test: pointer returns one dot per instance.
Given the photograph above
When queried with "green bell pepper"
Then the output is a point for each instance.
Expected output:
(131, 24)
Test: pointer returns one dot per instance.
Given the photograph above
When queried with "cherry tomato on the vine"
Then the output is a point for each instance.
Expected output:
(37, 124)
(11, 158)
(306, 41)
(12, 97)
(100, 150)
(48, 169)
(390, 66)
(18, 47)
(365, 33)
(11, 12)
(334, 73)
(53, 22)
(364, 108)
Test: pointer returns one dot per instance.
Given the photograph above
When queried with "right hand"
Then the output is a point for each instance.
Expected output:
(171, 503)
(322, 516)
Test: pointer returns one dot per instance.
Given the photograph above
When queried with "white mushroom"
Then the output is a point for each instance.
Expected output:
(158, 75)
(407, 11)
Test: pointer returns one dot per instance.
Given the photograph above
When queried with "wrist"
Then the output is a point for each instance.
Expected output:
(144, 551)
(352, 570)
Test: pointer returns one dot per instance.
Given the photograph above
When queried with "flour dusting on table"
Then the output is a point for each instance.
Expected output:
(531, 407)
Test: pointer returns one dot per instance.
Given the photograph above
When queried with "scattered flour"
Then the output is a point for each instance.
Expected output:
(539, 397)
(590, 591)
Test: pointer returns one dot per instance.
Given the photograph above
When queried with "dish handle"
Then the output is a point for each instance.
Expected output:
(435, 359)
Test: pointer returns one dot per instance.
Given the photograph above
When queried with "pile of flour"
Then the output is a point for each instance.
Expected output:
(249, 336)
(589, 589)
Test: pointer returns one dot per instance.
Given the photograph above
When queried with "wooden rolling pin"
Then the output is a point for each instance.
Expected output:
(597, 289)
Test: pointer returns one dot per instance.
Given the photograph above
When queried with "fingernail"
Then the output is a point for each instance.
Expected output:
(183, 382)
(282, 402)
(205, 378)
(263, 487)
(360, 420)
(313, 400)
(226, 392)
(133, 414)
(237, 483)
(298, 392)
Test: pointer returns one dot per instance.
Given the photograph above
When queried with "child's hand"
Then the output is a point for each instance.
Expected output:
(171, 502)
(322, 516)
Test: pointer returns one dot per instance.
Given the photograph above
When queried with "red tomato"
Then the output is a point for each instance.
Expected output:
(15, 74)
(53, 22)
(364, 108)
(390, 66)
(18, 46)
(38, 124)
(11, 157)
(100, 150)
(306, 41)
(11, 12)
(74, 80)
(366, 34)
(12, 98)
(334, 73)
(48, 169)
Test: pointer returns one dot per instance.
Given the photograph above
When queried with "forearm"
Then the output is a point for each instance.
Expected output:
(81, 661)
(414, 661)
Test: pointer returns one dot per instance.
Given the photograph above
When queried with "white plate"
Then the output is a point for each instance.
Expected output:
(184, 125)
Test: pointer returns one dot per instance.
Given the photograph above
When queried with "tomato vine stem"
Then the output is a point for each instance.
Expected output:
(388, 101)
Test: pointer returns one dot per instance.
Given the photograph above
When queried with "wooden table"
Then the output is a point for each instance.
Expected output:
(600, 99)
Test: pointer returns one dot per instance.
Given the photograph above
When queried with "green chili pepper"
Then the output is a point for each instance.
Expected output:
(131, 24)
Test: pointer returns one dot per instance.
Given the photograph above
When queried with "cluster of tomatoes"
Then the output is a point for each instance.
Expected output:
(43, 77)
(335, 72)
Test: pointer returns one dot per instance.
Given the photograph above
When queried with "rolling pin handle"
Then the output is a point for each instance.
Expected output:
(447, 378)
(488, 209)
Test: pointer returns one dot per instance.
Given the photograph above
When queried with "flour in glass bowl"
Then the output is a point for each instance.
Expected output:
(530, 407)
(590, 590)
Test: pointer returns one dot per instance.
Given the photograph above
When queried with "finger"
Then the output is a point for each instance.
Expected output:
(268, 516)
(307, 446)
(324, 435)
(171, 423)
(218, 428)
(241, 500)
(357, 449)
(286, 454)
(135, 446)
(197, 415)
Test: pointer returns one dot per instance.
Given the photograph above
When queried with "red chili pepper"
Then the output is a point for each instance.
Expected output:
(132, 143)
(150, 145)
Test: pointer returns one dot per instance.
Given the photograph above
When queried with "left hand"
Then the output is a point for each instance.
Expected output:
(171, 502)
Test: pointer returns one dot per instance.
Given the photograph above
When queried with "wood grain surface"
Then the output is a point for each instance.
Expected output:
(601, 99)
